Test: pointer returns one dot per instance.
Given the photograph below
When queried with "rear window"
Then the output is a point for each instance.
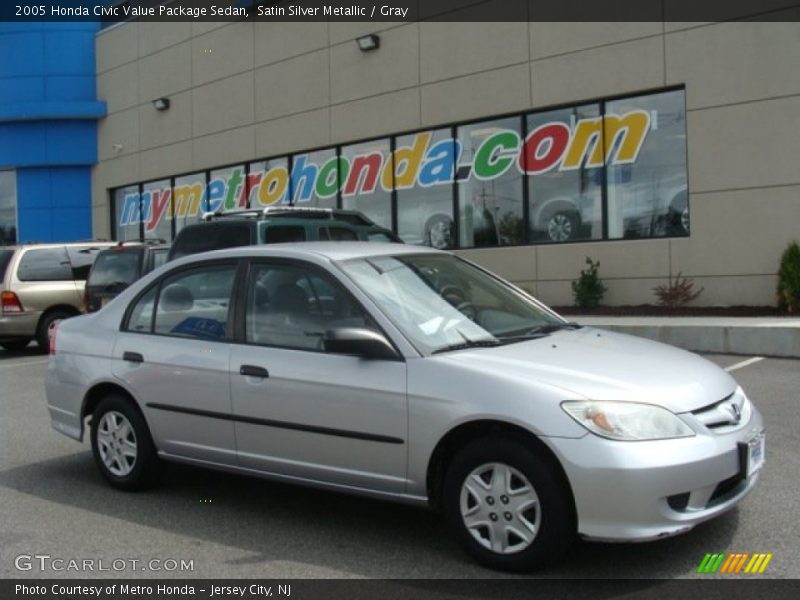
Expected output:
(278, 234)
(45, 264)
(81, 259)
(205, 238)
(114, 267)
(337, 234)
(159, 257)
(5, 258)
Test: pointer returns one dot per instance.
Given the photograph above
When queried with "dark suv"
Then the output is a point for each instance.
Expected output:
(274, 225)
(119, 266)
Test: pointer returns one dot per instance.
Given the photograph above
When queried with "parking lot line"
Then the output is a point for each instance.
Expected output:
(744, 363)
(22, 364)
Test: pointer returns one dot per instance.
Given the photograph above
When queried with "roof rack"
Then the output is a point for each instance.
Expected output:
(350, 216)
(151, 241)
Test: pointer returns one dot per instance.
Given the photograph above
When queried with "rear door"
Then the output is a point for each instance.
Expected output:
(173, 353)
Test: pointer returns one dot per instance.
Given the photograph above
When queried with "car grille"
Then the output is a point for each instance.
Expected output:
(725, 415)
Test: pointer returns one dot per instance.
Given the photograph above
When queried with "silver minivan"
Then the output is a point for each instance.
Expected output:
(406, 374)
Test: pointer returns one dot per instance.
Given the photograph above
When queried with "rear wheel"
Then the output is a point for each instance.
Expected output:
(507, 507)
(122, 446)
(15, 345)
(46, 326)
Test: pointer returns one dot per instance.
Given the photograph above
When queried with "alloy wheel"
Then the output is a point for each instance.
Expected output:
(116, 442)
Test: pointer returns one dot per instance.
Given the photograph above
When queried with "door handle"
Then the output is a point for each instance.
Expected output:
(132, 357)
(253, 371)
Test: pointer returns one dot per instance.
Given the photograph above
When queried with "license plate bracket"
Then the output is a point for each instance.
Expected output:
(754, 454)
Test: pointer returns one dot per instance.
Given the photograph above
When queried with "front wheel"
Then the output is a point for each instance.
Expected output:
(507, 507)
(122, 446)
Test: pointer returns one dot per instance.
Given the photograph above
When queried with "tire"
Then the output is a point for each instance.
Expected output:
(562, 226)
(15, 345)
(439, 232)
(128, 460)
(45, 323)
(547, 515)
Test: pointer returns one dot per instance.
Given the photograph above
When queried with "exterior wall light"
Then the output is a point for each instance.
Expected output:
(368, 42)
(161, 103)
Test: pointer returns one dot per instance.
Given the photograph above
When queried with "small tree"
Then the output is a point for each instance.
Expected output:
(679, 292)
(588, 289)
(789, 279)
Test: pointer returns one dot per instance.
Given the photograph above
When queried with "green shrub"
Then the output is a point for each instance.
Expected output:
(588, 289)
(789, 279)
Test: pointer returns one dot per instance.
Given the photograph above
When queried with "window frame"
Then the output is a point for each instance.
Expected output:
(241, 296)
(157, 285)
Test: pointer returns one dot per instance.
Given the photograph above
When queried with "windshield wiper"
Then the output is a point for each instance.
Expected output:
(540, 331)
(490, 343)
(468, 343)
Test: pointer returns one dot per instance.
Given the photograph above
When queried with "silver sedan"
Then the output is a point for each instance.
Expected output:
(405, 374)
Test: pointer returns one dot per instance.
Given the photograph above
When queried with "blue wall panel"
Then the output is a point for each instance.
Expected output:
(48, 125)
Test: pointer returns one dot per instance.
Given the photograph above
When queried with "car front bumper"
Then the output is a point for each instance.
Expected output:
(640, 491)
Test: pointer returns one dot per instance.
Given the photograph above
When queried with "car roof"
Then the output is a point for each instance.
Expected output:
(335, 251)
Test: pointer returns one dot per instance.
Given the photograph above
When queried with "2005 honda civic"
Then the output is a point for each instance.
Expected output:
(406, 374)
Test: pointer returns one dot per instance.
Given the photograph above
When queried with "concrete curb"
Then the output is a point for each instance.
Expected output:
(770, 336)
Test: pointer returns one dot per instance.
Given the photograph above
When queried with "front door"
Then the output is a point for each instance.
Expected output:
(305, 413)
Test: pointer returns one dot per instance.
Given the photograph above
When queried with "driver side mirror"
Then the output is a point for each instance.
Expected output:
(359, 341)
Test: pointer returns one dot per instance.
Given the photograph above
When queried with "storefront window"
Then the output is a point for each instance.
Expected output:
(490, 197)
(128, 213)
(647, 191)
(226, 190)
(268, 183)
(565, 197)
(157, 210)
(367, 180)
(315, 178)
(425, 196)
(8, 208)
(187, 198)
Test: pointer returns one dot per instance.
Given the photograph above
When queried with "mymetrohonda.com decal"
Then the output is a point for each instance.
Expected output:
(588, 143)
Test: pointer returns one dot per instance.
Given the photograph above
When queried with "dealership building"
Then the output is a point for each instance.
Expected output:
(655, 148)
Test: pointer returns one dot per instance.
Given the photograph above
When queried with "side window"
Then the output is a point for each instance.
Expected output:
(337, 234)
(277, 234)
(81, 259)
(195, 303)
(378, 236)
(45, 264)
(141, 317)
(293, 308)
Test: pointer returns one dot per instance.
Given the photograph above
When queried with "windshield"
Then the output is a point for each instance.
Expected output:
(441, 302)
(114, 267)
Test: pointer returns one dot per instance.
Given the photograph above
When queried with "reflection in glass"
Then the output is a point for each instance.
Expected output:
(157, 210)
(365, 187)
(648, 196)
(188, 199)
(490, 199)
(127, 213)
(8, 208)
(425, 209)
(315, 179)
(566, 201)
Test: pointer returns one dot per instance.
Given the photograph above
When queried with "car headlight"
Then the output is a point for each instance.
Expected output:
(627, 421)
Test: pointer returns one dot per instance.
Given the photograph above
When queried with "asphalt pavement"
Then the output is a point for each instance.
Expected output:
(55, 503)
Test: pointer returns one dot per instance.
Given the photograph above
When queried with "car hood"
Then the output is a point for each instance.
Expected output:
(602, 365)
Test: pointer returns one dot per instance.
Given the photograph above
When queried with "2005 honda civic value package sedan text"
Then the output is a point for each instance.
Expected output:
(412, 375)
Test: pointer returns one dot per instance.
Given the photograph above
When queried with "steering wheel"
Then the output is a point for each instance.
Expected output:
(455, 296)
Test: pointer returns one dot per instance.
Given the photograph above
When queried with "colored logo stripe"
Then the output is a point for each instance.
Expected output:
(734, 563)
